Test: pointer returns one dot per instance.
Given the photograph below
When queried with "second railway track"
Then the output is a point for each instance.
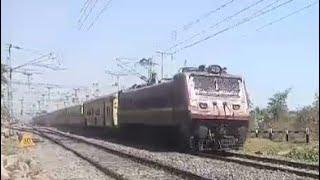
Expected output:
(301, 169)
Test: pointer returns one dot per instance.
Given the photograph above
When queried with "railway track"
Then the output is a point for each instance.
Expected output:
(301, 169)
(275, 161)
(65, 140)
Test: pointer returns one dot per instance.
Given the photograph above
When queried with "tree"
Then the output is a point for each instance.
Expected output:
(316, 101)
(277, 105)
(3, 71)
(260, 116)
(3, 78)
(308, 116)
(4, 112)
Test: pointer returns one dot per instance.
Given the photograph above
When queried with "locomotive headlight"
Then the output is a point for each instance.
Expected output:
(203, 105)
(235, 106)
(193, 103)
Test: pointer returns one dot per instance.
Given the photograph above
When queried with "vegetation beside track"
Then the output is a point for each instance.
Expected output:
(295, 151)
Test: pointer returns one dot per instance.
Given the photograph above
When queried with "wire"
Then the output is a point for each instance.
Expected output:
(247, 19)
(206, 15)
(37, 60)
(84, 9)
(99, 14)
(34, 51)
(90, 11)
(286, 16)
(215, 25)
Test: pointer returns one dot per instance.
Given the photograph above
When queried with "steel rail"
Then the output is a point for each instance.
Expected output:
(141, 160)
(275, 161)
(258, 163)
(104, 170)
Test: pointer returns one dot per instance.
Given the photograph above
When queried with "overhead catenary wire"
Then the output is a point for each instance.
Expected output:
(206, 15)
(37, 60)
(287, 16)
(100, 13)
(33, 51)
(244, 20)
(84, 9)
(84, 6)
(218, 23)
(90, 11)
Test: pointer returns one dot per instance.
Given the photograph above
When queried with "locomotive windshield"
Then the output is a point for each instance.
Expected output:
(216, 85)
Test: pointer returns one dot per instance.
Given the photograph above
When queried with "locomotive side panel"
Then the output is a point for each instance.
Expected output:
(151, 105)
(181, 113)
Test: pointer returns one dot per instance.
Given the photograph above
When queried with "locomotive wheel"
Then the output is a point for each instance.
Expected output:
(184, 136)
(200, 134)
(183, 143)
(192, 142)
(196, 145)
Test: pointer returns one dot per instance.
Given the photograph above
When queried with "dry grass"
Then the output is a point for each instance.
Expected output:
(296, 151)
(11, 146)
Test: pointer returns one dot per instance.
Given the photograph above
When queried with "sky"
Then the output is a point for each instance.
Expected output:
(280, 56)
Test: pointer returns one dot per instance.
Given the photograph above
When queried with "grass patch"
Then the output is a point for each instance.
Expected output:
(296, 151)
(10, 146)
(310, 154)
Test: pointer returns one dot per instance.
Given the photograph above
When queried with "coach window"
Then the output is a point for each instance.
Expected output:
(98, 112)
(88, 112)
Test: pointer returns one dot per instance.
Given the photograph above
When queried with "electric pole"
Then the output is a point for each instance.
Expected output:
(117, 75)
(21, 112)
(39, 105)
(43, 99)
(10, 104)
(33, 109)
(96, 89)
(49, 88)
(162, 55)
(39, 61)
(76, 95)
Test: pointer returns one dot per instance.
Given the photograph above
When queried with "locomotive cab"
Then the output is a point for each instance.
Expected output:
(218, 108)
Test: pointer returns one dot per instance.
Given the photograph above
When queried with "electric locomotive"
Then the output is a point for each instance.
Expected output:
(207, 106)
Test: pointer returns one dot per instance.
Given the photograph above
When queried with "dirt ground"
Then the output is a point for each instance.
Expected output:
(43, 161)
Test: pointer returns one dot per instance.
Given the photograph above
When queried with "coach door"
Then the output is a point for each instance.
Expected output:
(115, 111)
(108, 115)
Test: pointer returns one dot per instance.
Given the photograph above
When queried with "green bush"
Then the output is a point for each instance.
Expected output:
(306, 153)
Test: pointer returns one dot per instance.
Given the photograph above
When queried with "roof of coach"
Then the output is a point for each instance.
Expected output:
(101, 97)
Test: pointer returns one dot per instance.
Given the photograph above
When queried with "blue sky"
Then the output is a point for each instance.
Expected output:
(279, 56)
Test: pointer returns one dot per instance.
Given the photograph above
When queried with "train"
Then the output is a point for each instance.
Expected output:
(207, 107)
